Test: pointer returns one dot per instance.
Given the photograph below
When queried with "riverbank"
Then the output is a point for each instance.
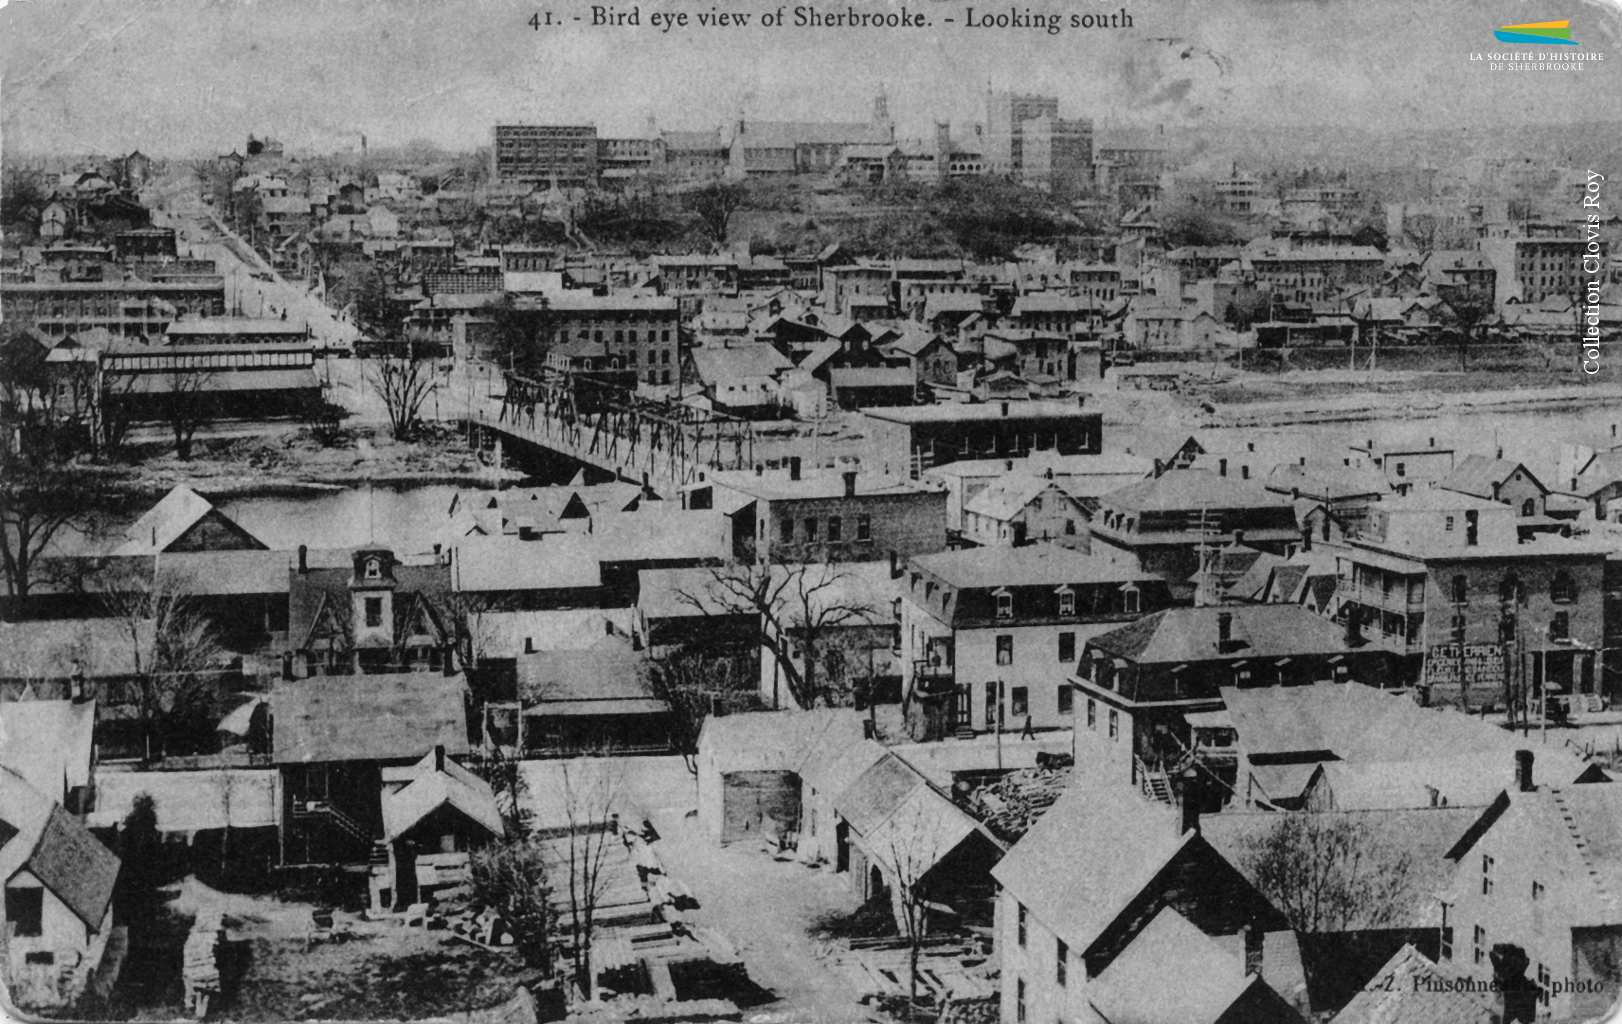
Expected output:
(1417, 403)
(293, 463)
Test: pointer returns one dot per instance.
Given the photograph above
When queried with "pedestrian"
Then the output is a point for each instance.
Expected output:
(1027, 733)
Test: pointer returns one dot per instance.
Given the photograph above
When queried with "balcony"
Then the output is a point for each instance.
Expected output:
(930, 679)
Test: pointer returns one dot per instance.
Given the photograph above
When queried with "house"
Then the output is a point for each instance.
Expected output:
(1164, 525)
(683, 607)
(367, 611)
(332, 740)
(749, 766)
(1084, 477)
(1540, 868)
(1495, 479)
(435, 814)
(988, 634)
(741, 378)
(1138, 683)
(1477, 613)
(1104, 870)
(1024, 508)
(590, 700)
(787, 515)
(872, 387)
(58, 884)
(1407, 465)
(906, 843)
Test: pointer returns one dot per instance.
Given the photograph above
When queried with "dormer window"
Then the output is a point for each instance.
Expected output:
(1005, 604)
(373, 570)
(1131, 599)
(1067, 602)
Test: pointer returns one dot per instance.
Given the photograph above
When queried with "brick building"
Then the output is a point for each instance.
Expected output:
(541, 154)
(912, 440)
(640, 331)
(132, 308)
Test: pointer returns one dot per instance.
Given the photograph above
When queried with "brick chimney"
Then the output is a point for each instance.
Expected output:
(1224, 631)
(1523, 771)
(850, 483)
(793, 467)
(303, 560)
(439, 757)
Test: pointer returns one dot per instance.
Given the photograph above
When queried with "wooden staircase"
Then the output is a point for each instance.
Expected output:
(1155, 783)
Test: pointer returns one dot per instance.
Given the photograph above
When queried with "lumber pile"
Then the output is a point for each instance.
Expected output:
(200, 970)
(1012, 804)
(879, 970)
(652, 1010)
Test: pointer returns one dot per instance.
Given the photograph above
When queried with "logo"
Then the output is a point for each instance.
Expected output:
(1552, 33)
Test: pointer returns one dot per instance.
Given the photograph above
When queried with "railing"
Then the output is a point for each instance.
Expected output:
(326, 811)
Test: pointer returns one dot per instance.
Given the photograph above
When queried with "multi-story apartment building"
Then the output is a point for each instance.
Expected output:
(129, 309)
(788, 516)
(640, 331)
(1529, 269)
(695, 154)
(990, 635)
(1406, 466)
(1313, 274)
(540, 154)
(1477, 611)
(621, 160)
(1027, 140)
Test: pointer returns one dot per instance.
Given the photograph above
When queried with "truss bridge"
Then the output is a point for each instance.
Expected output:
(641, 440)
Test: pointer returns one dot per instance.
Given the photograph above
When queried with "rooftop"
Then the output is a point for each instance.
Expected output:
(1029, 565)
(959, 412)
(1191, 634)
(368, 717)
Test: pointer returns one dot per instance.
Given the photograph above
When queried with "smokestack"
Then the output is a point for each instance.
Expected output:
(760, 469)
(439, 757)
(1222, 467)
(1224, 629)
(1495, 486)
(850, 483)
(529, 645)
(895, 566)
(1433, 442)
(1244, 471)
(303, 560)
(1306, 537)
(608, 627)
(1523, 771)
(793, 467)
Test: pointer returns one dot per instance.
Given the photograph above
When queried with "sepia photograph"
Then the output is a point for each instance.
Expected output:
(827, 512)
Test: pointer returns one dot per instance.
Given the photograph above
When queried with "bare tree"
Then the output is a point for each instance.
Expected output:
(691, 680)
(1467, 308)
(173, 648)
(911, 848)
(799, 607)
(578, 860)
(403, 383)
(714, 205)
(186, 406)
(1332, 871)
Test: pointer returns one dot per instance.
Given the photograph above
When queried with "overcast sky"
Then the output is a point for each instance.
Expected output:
(183, 76)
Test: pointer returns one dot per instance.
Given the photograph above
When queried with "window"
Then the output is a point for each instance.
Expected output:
(787, 531)
(1538, 891)
(664, 376)
(1067, 602)
(1067, 699)
(864, 527)
(1480, 942)
(1020, 698)
(1114, 724)
(630, 358)
(1019, 995)
(374, 612)
(1470, 524)
(1005, 605)
(1448, 525)
(1061, 961)
(1560, 626)
(664, 357)
(1067, 647)
(1562, 588)
(1543, 985)
(1132, 601)
(25, 909)
(1022, 918)
(1529, 507)
(836, 528)
(1445, 946)
(1092, 713)
(1005, 649)
(1461, 590)
(374, 569)
(1402, 469)
(810, 530)
(1486, 874)
(991, 706)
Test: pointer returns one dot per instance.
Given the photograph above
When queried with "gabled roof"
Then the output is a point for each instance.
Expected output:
(171, 518)
(56, 849)
(1134, 988)
(609, 673)
(1479, 475)
(1028, 565)
(750, 359)
(434, 787)
(1011, 495)
(1405, 991)
(775, 740)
